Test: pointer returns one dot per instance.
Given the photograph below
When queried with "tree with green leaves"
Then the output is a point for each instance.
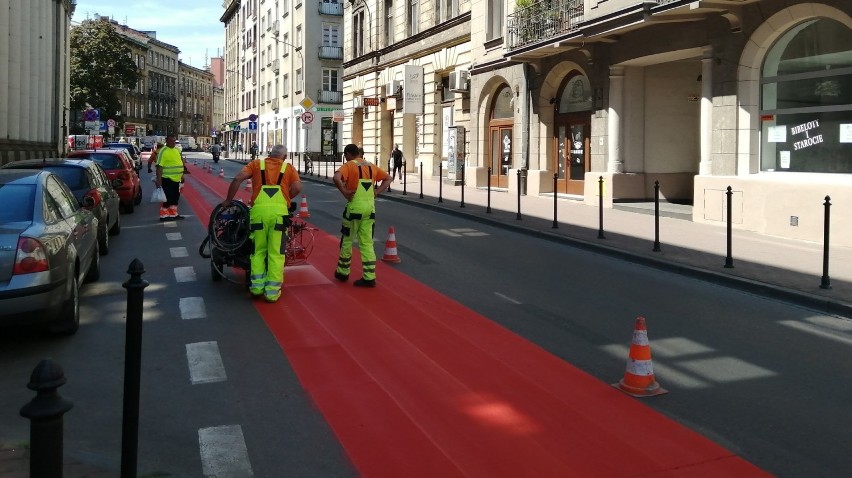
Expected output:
(100, 65)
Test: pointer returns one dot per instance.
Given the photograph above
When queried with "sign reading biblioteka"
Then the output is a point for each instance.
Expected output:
(412, 92)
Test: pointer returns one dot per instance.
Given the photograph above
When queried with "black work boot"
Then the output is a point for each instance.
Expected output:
(364, 283)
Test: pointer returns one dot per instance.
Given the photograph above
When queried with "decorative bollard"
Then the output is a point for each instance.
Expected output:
(825, 283)
(404, 179)
(488, 206)
(518, 216)
(600, 207)
(462, 187)
(656, 216)
(729, 258)
(132, 368)
(555, 223)
(421, 179)
(440, 184)
(45, 413)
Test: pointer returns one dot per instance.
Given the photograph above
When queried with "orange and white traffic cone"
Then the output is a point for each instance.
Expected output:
(303, 208)
(222, 173)
(639, 379)
(248, 184)
(390, 248)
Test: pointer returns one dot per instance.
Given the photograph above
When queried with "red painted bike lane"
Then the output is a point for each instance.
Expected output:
(414, 384)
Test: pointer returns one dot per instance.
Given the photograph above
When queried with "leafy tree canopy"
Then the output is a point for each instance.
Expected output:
(100, 64)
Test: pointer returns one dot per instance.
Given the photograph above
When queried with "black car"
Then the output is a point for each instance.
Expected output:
(90, 185)
(48, 247)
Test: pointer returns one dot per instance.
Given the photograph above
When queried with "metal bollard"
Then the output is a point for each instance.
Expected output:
(825, 283)
(488, 207)
(45, 414)
(132, 368)
(440, 185)
(600, 208)
(462, 187)
(518, 216)
(656, 216)
(421, 179)
(729, 258)
(404, 179)
(555, 223)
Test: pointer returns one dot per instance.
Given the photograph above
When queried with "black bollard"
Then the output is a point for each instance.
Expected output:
(656, 216)
(404, 181)
(826, 282)
(729, 259)
(600, 208)
(488, 206)
(132, 368)
(440, 185)
(45, 414)
(518, 216)
(462, 188)
(555, 223)
(421, 179)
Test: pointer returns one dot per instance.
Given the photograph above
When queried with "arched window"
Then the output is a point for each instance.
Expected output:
(806, 100)
(503, 104)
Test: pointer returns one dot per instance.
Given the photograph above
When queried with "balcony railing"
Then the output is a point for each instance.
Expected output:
(331, 52)
(331, 97)
(331, 8)
(542, 20)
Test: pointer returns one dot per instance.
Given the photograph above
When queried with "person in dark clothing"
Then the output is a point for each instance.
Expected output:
(397, 159)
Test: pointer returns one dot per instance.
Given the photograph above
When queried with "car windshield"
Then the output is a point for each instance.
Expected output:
(74, 177)
(106, 160)
(17, 201)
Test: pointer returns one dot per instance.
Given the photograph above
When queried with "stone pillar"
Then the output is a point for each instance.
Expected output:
(615, 162)
(705, 167)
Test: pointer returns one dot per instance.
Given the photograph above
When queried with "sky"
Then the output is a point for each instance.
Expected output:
(191, 25)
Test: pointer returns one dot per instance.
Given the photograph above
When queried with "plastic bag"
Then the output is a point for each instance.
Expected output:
(158, 195)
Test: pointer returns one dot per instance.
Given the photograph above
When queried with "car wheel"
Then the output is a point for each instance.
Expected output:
(95, 267)
(116, 228)
(103, 241)
(130, 206)
(69, 318)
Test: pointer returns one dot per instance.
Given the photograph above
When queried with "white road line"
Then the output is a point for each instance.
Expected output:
(173, 236)
(507, 298)
(223, 452)
(192, 308)
(185, 274)
(178, 252)
(205, 363)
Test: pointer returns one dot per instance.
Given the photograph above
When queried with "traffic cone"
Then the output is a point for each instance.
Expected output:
(222, 173)
(303, 208)
(248, 184)
(639, 379)
(210, 168)
(390, 248)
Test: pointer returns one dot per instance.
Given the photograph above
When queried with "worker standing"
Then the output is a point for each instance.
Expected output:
(274, 184)
(170, 169)
(360, 182)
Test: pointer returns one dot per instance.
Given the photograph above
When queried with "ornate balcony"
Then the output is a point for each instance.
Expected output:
(330, 97)
(331, 52)
(542, 20)
(331, 8)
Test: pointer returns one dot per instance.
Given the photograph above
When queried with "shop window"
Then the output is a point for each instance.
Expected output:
(806, 100)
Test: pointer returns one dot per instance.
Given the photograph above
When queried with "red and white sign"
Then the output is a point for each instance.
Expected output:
(307, 117)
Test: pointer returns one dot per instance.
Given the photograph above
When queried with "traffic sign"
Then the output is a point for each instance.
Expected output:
(252, 117)
(111, 123)
(306, 103)
(307, 117)
(91, 114)
(252, 126)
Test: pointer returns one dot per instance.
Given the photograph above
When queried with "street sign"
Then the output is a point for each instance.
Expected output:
(252, 126)
(306, 103)
(307, 117)
(129, 130)
(252, 117)
(111, 123)
(91, 115)
(337, 116)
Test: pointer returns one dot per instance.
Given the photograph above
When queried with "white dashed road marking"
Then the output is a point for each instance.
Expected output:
(507, 298)
(192, 308)
(178, 252)
(185, 274)
(173, 236)
(223, 452)
(205, 363)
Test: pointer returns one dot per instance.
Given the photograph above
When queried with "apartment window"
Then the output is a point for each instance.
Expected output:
(286, 44)
(445, 10)
(285, 83)
(330, 79)
(299, 80)
(494, 27)
(269, 95)
(358, 33)
(298, 38)
(388, 22)
(330, 34)
(413, 17)
(262, 92)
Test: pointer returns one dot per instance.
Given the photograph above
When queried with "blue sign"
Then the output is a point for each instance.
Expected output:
(252, 126)
(91, 115)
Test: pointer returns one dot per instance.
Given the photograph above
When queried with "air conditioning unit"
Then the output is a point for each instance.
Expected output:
(275, 27)
(459, 81)
(393, 88)
(276, 65)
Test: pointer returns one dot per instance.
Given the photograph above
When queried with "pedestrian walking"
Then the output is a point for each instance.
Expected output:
(274, 184)
(359, 181)
(398, 158)
(153, 157)
(170, 170)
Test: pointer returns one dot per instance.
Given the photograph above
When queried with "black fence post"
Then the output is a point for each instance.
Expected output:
(404, 179)
(825, 283)
(488, 204)
(656, 216)
(555, 223)
(440, 185)
(132, 368)
(729, 258)
(600, 208)
(518, 216)
(421, 179)
(45, 412)
(462, 187)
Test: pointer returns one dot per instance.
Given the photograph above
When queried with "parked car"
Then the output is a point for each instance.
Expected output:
(131, 150)
(117, 165)
(48, 248)
(86, 179)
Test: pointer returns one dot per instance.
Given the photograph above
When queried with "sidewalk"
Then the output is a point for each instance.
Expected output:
(775, 267)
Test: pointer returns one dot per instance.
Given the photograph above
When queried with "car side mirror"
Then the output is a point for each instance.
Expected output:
(117, 183)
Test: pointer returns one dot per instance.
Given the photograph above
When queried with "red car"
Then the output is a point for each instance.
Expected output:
(117, 164)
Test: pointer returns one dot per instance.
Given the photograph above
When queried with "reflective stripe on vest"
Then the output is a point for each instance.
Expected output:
(169, 159)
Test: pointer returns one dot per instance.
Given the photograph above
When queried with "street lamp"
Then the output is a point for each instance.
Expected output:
(301, 59)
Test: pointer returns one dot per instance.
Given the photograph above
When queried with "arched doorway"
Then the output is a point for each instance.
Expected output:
(500, 137)
(572, 131)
